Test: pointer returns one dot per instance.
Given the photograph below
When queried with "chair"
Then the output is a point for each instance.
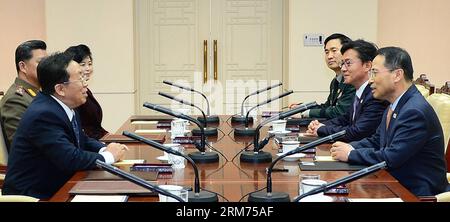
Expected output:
(17, 198)
(441, 105)
(3, 149)
(428, 88)
(3, 157)
(443, 197)
(447, 158)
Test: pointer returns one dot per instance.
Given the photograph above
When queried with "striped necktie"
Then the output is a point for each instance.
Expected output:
(76, 130)
(388, 117)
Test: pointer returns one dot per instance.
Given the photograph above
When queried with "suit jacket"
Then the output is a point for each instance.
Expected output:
(368, 116)
(45, 153)
(412, 146)
(338, 102)
(91, 117)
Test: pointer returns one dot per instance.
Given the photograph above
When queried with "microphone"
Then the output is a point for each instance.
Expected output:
(199, 157)
(241, 118)
(209, 118)
(270, 196)
(258, 156)
(209, 131)
(136, 180)
(196, 195)
(354, 176)
(245, 131)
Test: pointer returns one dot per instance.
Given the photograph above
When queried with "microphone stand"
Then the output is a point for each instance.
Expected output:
(209, 131)
(194, 196)
(246, 131)
(258, 156)
(199, 157)
(268, 195)
(209, 118)
(136, 180)
(242, 118)
(354, 176)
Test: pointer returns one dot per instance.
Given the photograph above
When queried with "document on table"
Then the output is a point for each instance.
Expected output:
(375, 200)
(100, 198)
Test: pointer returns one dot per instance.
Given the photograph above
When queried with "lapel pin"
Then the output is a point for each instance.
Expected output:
(395, 115)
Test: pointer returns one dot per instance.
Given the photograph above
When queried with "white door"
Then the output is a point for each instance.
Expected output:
(224, 48)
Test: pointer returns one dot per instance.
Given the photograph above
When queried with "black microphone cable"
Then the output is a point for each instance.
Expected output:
(218, 194)
(211, 147)
(251, 193)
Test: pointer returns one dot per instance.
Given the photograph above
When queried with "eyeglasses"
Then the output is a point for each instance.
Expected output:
(347, 63)
(373, 73)
(82, 79)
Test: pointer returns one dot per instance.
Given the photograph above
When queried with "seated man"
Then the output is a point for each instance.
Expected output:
(49, 146)
(341, 95)
(410, 137)
(363, 118)
(24, 89)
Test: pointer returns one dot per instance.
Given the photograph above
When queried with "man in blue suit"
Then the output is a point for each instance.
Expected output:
(363, 118)
(410, 137)
(49, 146)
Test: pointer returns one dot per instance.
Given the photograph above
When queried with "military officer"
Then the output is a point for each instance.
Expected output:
(25, 87)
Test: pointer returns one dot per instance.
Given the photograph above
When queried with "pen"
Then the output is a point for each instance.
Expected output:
(280, 170)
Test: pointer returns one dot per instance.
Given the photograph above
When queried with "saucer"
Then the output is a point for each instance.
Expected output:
(279, 132)
(317, 198)
(293, 157)
(163, 158)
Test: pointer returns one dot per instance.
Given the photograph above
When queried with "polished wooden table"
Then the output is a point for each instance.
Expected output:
(234, 180)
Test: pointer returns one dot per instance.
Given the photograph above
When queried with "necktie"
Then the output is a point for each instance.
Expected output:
(76, 130)
(355, 105)
(335, 92)
(388, 117)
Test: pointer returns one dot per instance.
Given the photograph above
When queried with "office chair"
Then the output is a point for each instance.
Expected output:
(3, 149)
(3, 157)
(17, 198)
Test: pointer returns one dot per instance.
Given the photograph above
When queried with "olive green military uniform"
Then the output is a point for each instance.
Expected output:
(338, 102)
(13, 104)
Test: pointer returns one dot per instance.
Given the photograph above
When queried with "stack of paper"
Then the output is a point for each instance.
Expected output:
(157, 131)
(143, 122)
(324, 158)
(375, 200)
(100, 198)
(128, 162)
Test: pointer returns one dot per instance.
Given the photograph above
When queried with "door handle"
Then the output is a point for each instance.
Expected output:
(215, 60)
(205, 61)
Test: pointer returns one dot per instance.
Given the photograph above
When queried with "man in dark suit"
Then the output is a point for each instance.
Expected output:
(363, 118)
(49, 146)
(410, 137)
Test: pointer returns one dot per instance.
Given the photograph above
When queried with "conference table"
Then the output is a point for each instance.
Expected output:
(234, 180)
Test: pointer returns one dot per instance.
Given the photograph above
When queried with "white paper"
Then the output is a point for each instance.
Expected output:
(155, 131)
(144, 122)
(375, 200)
(100, 198)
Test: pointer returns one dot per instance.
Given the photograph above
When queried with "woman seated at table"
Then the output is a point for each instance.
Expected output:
(90, 112)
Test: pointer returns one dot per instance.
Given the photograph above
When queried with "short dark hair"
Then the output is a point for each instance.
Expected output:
(342, 38)
(24, 50)
(79, 52)
(397, 58)
(52, 71)
(366, 50)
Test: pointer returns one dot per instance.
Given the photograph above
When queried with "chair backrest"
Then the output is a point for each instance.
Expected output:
(424, 91)
(441, 105)
(447, 158)
(427, 86)
(17, 198)
(3, 148)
